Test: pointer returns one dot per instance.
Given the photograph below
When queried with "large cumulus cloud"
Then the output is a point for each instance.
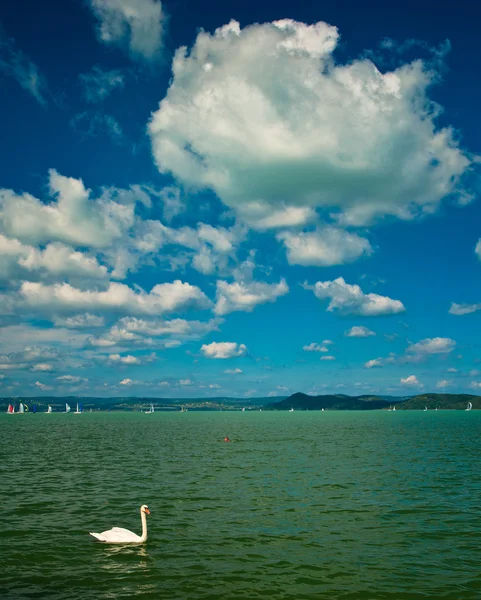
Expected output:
(266, 118)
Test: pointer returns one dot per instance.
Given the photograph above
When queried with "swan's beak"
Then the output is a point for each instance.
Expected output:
(147, 511)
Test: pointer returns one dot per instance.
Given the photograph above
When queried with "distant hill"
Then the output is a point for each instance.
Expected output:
(301, 401)
(441, 401)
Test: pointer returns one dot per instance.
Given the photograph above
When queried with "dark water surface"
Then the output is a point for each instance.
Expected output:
(335, 505)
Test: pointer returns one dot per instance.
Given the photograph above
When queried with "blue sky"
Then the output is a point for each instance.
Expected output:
(239, 199)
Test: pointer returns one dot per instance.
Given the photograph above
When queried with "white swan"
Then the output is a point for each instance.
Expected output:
(119, 535)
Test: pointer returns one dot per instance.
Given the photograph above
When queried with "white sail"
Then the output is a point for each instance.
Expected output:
(394, 408)
(49, 409)
(21, 408)
(67, 408)
(470, 406)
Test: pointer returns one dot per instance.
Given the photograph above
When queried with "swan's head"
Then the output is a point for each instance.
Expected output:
(145, 509)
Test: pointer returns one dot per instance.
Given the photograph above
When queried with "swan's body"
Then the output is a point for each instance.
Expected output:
(119, 535)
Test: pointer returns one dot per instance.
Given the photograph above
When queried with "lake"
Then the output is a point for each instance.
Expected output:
(305, 505)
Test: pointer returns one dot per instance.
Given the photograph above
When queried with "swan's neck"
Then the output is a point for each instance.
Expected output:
(143, 518)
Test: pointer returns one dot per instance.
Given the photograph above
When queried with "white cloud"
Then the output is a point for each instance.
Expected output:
(214, 386)
(359, 331)
(138, 24)
(350, 300)
(92, 123)
(16, 64)
(478, 249)
(126, 381)
(19, 261)
(476, 384)
(327, 342)
(375, 362)
(463, 309)
(324, 248)
(42, 367)
(233, 371)
(81, 321)
(328, 357)
(98, 84)
(346, 138)
(410, 380)
(70, 379)
(444, 383)
(164, 297)
(185, 382)
(243, 296)
(314, 347)
(432, 346)
(42, 386)
(124, 360)
(223, 350)
(452, 370)
(72, 217)
(18, 339)
(177, 327)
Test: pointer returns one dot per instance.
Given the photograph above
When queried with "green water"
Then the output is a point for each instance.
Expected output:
(335, 505)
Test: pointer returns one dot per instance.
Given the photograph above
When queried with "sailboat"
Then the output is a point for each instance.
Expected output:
(79, 409)
(182, 409)
(291, 409)
(243, 409)
(425, 408)
(67, 408)
(21, 408)
(34, 409)
(49, 409)
(151, 410)
(470, 406)
(11, 409)
(394, 408)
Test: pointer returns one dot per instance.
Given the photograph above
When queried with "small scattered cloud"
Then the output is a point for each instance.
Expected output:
(349, 299)
(14, 63)
(242, 296)
(137, 25)
(410, 380)
(323, 248)
(463, 309)
(98, 84)
(444, 383)
(223, 350)
(328, 357)
(70, 379)
(126, 381)
(93, 123)
(314, 347)
(233, 371)
(375, 362)
(124, 360)
(432, 346)
(43, 386)
(42, 367)
(359, 331)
